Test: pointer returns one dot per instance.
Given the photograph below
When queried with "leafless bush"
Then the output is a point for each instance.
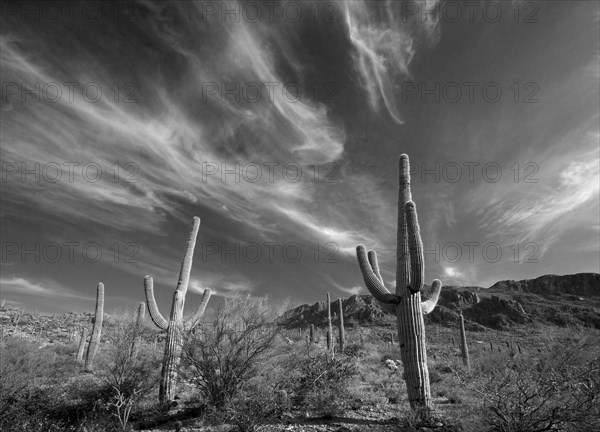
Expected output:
(221, 357)
(558, 392)
(132, 370)
(322, 382)
(22, 366)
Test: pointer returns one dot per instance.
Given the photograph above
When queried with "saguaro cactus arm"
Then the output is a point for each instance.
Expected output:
(372, 256)
(195, 319)
(415, 247)
(141, 314)
(155, 314)
(186, 265)
(429, 305)
(372, 277)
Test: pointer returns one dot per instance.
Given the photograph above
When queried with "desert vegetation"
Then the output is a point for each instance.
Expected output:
(247, 364)
(240, 368)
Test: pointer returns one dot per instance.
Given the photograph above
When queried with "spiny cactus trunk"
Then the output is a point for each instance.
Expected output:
(312, 333)
(463, 343)
(329, 326)
(97, 331)
(341, 326)
(81, 349)
(411, 337)
(406, 303)
(176, 326)
(172, 352)
(139, 324)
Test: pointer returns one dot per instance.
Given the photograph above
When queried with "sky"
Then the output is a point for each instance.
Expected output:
(280, 125)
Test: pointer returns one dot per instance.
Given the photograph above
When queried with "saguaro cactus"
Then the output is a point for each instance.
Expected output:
(139, 323)
(97, 331)
(463, 342)
(329, 326)
(84, 332)
(406, 303)
(176, 325)
(341, 326)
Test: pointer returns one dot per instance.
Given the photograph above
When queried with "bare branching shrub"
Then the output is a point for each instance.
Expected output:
(322, 382)
(252, 407)
(222, 356)
(132, 369)
(22, 367)
(559, 391)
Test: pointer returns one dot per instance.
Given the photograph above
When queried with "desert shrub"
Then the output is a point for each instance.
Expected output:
(389, 354)
(22, 368)
(322, 382)
(221, 357)
(435, 377)
(251, 408)
(131, 372)
(354, 350)
(557, 391)
(51, 408)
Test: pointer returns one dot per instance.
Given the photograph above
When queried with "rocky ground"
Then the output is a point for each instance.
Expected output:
(384, 417)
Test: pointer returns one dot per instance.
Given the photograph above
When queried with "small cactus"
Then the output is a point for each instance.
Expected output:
(97, 330)
(176, 325)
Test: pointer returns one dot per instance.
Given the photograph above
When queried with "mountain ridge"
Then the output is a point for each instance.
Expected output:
(559, 300)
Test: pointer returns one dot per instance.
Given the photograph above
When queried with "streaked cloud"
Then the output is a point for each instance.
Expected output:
(385, 44)
(43, 288)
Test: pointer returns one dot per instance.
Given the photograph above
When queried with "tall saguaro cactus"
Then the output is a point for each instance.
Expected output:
(329, 326)
(406, 302)
(176, 325)
(97, 331)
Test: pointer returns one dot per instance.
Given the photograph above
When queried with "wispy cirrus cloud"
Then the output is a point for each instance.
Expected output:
(384, 42)
(41, 288)
(221, 287)
(563, 196)
(169, 146)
